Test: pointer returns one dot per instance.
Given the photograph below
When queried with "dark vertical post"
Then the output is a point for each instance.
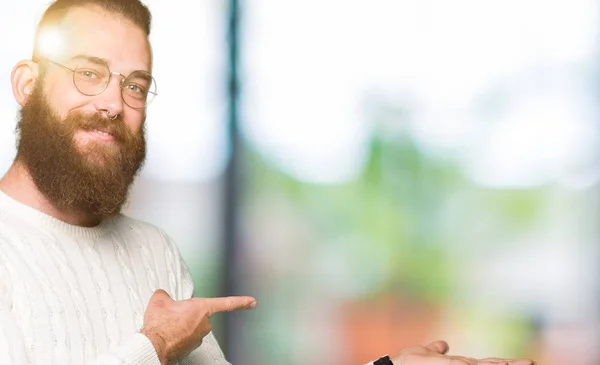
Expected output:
(232, 189)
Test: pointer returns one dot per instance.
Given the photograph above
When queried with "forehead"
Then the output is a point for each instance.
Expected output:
(92, 31)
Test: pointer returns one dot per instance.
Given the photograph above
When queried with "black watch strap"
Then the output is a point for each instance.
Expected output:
(383, 361)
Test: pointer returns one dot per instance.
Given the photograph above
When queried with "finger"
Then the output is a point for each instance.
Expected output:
(521, 362)
(464, 360)
(442, 360)
(229, 304)
(441, 347)
(495, 360)
(432, 360)
(492, 361)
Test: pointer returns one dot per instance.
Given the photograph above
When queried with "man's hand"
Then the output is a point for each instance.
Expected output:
(177, 328)
(435, 354)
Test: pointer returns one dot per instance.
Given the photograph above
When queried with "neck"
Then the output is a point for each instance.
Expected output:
(18, 184)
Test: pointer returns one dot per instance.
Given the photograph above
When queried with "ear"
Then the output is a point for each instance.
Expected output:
(23, 78)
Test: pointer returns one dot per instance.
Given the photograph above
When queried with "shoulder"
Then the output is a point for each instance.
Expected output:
(9, 242)
(155, 241)
(147, 234)
(123, 221)
(126, 224)
(11, 228)
(14, 234)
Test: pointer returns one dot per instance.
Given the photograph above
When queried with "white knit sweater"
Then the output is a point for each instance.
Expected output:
(75, 295)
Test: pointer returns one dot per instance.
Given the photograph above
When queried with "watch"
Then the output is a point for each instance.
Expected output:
(383, 361)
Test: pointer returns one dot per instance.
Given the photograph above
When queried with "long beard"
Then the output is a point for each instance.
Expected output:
(93, 178)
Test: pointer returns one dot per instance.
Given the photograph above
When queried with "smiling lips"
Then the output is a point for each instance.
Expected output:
(101, 135)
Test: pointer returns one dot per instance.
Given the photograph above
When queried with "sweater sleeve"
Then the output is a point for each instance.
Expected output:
(136, 350)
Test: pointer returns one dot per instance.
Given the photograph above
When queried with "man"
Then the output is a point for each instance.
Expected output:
(81, 283)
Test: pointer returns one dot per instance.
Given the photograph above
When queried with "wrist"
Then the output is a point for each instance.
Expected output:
(159, 344)
(385, 360)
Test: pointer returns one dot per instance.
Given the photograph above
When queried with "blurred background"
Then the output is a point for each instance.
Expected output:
(391, 172)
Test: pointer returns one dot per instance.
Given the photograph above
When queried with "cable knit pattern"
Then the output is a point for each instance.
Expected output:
(131, 281)
(82, 304)
(103, 290)
(147, 261)
(77, 295)
(57, 315)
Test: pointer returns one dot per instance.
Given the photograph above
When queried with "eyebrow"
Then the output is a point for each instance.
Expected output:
(146, 76)
(98, 61)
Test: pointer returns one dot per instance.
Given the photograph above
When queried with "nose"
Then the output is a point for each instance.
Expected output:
(110, 101)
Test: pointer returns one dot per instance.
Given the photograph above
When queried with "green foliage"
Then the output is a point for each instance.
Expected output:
(397, 212)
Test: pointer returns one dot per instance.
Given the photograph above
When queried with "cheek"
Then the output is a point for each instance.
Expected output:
(135, 121)
(62, 95)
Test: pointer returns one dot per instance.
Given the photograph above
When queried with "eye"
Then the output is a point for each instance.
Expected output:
(87, 74)
(137, 89)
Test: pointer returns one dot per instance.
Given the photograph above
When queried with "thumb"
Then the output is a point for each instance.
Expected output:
(441, 347)
(159, 298)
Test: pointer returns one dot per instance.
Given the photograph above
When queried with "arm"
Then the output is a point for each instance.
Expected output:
(136, 350)
(210, 349)
(178, 328)
(208, 352)
(21, 344)
(174, 329)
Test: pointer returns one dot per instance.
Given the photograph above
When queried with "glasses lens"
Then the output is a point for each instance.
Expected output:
(139, 89)
(91, 77)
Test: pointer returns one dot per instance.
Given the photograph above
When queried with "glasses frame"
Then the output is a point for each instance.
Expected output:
(110, 74)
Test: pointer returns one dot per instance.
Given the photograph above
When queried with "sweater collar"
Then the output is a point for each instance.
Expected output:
(13, 208)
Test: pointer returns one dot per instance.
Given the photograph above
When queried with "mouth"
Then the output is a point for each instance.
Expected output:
(100, 134)
(103, 134)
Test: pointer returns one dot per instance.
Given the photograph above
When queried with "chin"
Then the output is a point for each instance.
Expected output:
(98, 155)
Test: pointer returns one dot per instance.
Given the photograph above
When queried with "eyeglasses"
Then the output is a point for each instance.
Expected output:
(92, 76)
